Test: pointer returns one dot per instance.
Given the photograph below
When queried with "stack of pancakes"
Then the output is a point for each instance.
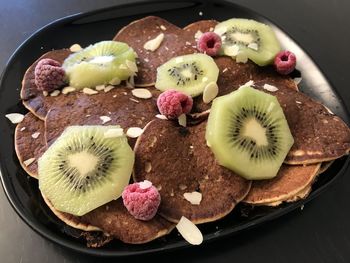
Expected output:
(176, 159)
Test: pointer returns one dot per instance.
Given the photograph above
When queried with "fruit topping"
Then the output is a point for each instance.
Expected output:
(84, 169)
(285, 62)
(248, 133)
(172, 104)
(142, 200)
(209, 43)
(188, 74)
(49, 75)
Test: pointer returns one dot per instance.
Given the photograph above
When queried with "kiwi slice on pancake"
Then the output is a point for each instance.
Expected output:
(189, 74)
(85, 168)
(99, 64)
(248, 133)
(256, 39)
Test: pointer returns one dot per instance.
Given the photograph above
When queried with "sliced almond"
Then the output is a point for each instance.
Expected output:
(198, 34)
(15, 117)
(154, 43)
(67, 90)
(131, 65)
(142, 93)
(108, 88)
(145, 184)
(55, 93)
(162, 117)
(100, 87)
(134, 132)
(182, 120)
(224, 70)
(134, 100)
(210, 92)
(162, 27)
(105, 119)
(241, 57)
(75, 48)
(249, 83)
(148, 167)
(45, 93)
(113, 133)
(270, 87)
(189, 231)
(35, 135)
(298, 102)
(194, 198)
(23, 128)
(89, 91)
(115, 81)
(29, 161)
(146, 60)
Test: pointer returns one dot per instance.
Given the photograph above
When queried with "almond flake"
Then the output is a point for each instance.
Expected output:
(145, 184)
(241, 57)
(194, 198)
(125, 93)
(55, 93)
(114, 96)
(329, 111)
(134, 100)
(108, 88)
(113, 133)
(188, 43)
(225, 69)
(182, 187)
(211, 29)
(182, 120)
(134, 132)
(231, 51)
(153, 44)
(198, 34)
(105, 119)
(162, 117)
(75, 48)
(115, 81)
(100, 87)
(142, 93)
(189, 231)
(45, 93)
(15, 117)
(35, 135)
(146, 60)
(29, 161)
(298, 102)
(148, 167)
(131, 65)
(270, 87)
(162, 27)
(253, 46)
(210, 92)
(297, 80)
(23, 128)
(67, 90)
(89, 91)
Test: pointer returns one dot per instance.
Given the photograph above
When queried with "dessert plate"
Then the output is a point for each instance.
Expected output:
(22, 191)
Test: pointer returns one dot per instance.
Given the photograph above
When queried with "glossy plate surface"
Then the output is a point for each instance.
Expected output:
(92, 27)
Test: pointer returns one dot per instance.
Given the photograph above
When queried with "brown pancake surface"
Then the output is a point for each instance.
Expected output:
(290, 180)
(82, 109)
(137, 33)
(32, 98)
(28, 147)
(180, 162)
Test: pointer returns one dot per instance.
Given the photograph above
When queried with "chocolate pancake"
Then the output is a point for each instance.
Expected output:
(300, 195)
(114, 220)
(290, 182)
(233, 74)
(32, 98)
(137, 33)
(177, 161)
(27, 146)
(83, 109)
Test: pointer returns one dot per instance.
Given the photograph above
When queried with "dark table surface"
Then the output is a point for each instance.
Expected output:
(318, 233)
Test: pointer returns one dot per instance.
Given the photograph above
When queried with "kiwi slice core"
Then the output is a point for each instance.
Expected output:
(248, 133)
(255, 39)
(189, 74)
(83, 169)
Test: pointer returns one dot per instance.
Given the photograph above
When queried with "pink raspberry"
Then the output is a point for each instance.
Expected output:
(172, 103)
(285, 62)
(209, 43)
(142, 200)
(49, 75)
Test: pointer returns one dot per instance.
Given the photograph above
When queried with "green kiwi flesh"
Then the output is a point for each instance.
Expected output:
(189, 74)
(99, 64)
(256, 39)
(248, 133)
(84, 169)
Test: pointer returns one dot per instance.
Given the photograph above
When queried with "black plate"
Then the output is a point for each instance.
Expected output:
(88, 28)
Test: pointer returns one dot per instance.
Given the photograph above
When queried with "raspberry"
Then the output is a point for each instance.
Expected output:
(172, 104)
(209, 43)
(49, 75)
(141, 200)
(285, 62)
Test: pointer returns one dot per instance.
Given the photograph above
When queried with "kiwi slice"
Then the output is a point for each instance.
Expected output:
(256, 39)
(248, 133)
(85, 168)
(188, 74)
(99, 64)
